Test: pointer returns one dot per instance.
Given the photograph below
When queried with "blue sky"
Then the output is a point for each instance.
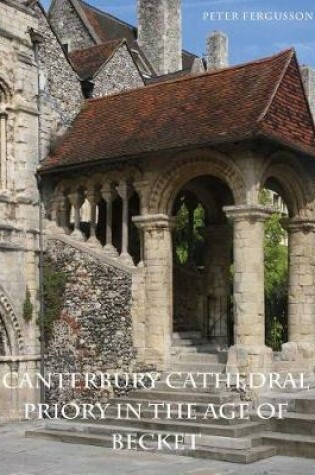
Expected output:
(248, 39)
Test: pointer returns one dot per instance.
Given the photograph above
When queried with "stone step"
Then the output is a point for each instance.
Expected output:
(295, 423)
(197, 367)
(114, 425)
(186, 335)
(205, 349)
(292, 445)
(214, 453)
(240, 443)
(304, 405)
(173, 405)
(208, 398)
(290, 390)
(162, 386)
(195, 358)
(188, 342)
(148, 413)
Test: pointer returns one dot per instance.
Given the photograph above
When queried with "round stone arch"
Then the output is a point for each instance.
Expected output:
(295, 185)
(11, 325)
(184, 169)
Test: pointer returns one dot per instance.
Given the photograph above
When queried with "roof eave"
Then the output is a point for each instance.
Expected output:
(293, 146)
(212, 143)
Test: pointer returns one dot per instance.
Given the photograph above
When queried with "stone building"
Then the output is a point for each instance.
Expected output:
(110, 137)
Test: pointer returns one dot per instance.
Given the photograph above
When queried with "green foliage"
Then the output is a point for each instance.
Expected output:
(276, 276)
(182, 230)
(275, 337)
(54, 288)
(28, 306)
(276, 258)
(265, 197)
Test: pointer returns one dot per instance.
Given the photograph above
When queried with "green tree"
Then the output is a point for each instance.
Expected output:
(276, 277)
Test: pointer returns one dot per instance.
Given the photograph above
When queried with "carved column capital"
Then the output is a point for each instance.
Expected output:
(151, 222)
(76, 198)
(248, 213)
(108, 192)
(93, 196)
(143, 189)
(298, 225)
(124, 190)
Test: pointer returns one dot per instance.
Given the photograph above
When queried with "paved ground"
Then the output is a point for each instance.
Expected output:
(20, 456)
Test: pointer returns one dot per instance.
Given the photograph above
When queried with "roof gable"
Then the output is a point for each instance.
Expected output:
(288, 115)
(87, 62)
(232, 104)
(106, 26)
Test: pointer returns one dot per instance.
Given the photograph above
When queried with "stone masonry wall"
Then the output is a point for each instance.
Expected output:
(308, 76)
(160, 34)
(119, 74)
(69, 27)
(60, 88)
(19, 214)
(94, 332)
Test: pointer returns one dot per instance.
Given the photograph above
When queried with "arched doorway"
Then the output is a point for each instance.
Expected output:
(291, 194)
(202, 261)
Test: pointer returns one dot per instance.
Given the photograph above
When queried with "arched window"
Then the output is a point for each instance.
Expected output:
(4, 102)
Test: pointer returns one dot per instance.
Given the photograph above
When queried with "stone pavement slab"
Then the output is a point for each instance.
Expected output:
(20, 456)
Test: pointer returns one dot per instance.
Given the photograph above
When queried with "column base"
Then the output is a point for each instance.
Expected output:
(298, 351)
(77, 235)
(126, 259)
(155, 358)
(249, 359)
(51, 228)
(94, 243)
(110, 251)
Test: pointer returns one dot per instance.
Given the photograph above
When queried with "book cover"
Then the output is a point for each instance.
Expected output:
(157, 237)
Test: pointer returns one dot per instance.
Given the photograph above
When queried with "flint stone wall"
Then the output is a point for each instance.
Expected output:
(119, 74)
(94, 331)
(60, 88)
(69, 27)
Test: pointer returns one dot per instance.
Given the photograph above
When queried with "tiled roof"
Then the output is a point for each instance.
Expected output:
(258, 99)
(109, 28)
(87, 62)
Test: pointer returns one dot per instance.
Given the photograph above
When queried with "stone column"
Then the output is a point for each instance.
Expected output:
(249, 353)
(64, 209)
(217, 51)
(301, 304)
(108, 193)
(77, 199)
(124, 192)
(143, 189)
(93, 197)
(159, 286)
(3, 150)
(57, 223)
(219, 241)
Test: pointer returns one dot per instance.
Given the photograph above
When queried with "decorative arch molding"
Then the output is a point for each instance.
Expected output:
(11, 324)
(295, 184)
(185, 168)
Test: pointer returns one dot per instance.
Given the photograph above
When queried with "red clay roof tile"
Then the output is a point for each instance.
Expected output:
(87, 62)
(262, 98)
